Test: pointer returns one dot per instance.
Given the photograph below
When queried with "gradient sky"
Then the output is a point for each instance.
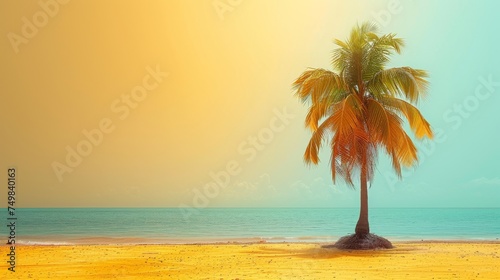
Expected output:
(226, 104)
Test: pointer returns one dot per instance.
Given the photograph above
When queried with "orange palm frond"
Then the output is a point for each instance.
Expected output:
(346, 115)
(386, 130)
(381, 123)
(316, 112)
(311, 153)
(406, 150)
(417, 122)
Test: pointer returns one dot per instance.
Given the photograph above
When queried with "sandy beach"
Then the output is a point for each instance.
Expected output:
(416, 260)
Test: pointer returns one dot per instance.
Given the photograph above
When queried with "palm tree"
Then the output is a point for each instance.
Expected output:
(358, 108)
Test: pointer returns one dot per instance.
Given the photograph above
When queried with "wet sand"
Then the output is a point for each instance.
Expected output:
(415, 260)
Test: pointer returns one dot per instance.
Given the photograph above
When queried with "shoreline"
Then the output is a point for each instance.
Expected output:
(235, 241)
(408, 260)
(103, 240)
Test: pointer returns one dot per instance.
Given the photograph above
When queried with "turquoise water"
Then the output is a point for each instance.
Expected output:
(170, 225)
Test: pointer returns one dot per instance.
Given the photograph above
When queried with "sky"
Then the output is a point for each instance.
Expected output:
(189, 103)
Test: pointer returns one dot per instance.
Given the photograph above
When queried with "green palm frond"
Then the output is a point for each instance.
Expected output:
(377, 53)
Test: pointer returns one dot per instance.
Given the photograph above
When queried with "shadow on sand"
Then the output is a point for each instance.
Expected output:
(318, 252)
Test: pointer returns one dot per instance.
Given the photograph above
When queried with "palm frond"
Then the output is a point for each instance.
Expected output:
(402, 81)
(348, 154)
(317, 138)
(316, 112)
(417, 122)
(406, 150)
(346, 115)
(386, 130)
(318, 84)
(377, 52)
(381, 123)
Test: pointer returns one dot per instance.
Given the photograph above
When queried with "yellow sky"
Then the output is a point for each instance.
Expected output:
(228, 73)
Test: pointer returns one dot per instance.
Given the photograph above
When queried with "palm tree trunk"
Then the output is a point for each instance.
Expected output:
(363, 227)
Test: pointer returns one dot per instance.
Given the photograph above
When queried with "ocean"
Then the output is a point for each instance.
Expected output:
(171, 225)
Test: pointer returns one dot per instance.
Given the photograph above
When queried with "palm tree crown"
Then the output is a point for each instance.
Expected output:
(361, 105)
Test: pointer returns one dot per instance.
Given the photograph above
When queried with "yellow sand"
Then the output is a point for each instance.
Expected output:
(425, 260)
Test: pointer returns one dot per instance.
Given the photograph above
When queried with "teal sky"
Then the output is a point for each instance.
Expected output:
(456, 42)
(229, 80)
